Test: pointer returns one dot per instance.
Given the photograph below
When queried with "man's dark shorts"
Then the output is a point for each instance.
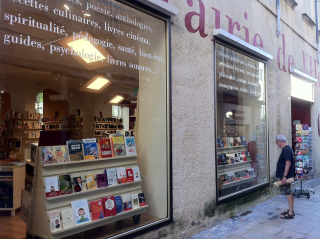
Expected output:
(286, 189)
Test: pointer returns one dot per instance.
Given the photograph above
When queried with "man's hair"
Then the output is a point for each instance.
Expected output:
(281, 138)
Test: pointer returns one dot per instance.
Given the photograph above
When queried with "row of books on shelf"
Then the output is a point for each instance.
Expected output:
(11, 114)
(301, 146)
(62, 119)
(304, 164)
(231, 141)
(299, 133)
(32, 125)
(108, 126)
(108, 206)
(5, 144)
(301, 151)
(302, 158)
(239, 157)
(301, 139)
(12, 124)
(66, 125)
(63, 184)
(26, 115)
(7, 154)
(86, 149)
(6, 191)
(301, 126)
(32, 134)
(108, 120)
(237, 176)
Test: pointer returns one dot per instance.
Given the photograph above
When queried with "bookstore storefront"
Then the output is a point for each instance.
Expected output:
(84, 99)
(241, 134)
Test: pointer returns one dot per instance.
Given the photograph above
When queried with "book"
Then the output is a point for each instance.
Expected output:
(109, 206)
(77, 184)
(55, 223)
(34, 147)
(229, 142)
(251, 172)
(305, 157)
(118, 146)
(97, 211)
(305, 132)
(126, 202)
(81, 211)
(245, 174)
(219, 160)
(102, 180)
(299, 158)
(90, 182)
(52, 186)
(142, 200)
(54, 154)
(231, 177)
(220, 143)
(228, 159)
(225, 142)
(298, 126)
(235, 141)
(90, 148)
(67, 218)
(244, 156)
(248, 156)
(65, 184)
(299, 164)
(305, 127)
(299, 133)
(224, 159)
(130, 177)
(135, 201)
(111, 176)
(130, 144)
(232, 158)
(243, 140)
(121, 175)
(75, 150)
(105, 148)
(236, 158)
(299, 139)
(118, 203)
(237, 176)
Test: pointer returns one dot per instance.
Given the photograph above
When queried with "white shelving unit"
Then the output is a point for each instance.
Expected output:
(38, 224)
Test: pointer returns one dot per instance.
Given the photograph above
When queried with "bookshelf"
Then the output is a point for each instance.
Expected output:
(39, 224)
(109, 125)
(10, 187)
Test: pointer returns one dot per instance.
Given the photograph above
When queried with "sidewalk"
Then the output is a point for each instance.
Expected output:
(263, 221)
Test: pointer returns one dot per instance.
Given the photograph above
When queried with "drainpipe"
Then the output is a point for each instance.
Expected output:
(278, 18)
(317, 31)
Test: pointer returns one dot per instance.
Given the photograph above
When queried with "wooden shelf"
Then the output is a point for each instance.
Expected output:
(104, 122)
(107, 129)
(32, 138)
(61, 129)
(31, 120)
(91, 191)
(6, 180)
(133, 116)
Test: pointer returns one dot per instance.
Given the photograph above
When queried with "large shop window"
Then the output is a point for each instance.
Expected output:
(84, 99)
(241, 126)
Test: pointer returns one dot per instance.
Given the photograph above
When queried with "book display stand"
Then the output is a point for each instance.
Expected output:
(302, 144)
(39, 222)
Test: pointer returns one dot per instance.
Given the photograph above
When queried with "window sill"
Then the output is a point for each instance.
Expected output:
(292, 3)
(308, 20)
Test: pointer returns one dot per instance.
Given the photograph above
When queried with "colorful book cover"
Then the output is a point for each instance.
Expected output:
(232, 158)
(77, 184)
(225, 142)
(54, 154)
(220, 143)
(90, 148)
(245, 174)
(306, 164)
(121, 175)
(90, 182)
(228, 159)
(243, 140)
(67, 218)
(305, 157)
(111, 176)
(118, 146)
(105, 148)
(305, 132)
(243, 156)
(299, 158)
(229, 142)
(299, 133)
(142, 200)
(135, 201)
(298, 126)
(75, 150)
(235, 141)
(305, 127)
(251, 172)
(65, 184)
(237, 176)
(97, 211)
(231, 177)
(248, 156)
(219, 160)
(52, 186)
(55, 223)
(299, 139)
(118, 202)
(299, 164)
(81, 211)
(130, 177)
(109, 206)
(130, 146)
(126, 202)
(298, 146)
(305, 146)
(102, 180)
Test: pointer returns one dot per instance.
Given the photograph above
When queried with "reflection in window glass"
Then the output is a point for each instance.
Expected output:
(241, 122)
(95, 69)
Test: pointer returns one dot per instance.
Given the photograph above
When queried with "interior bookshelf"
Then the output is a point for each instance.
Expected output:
(103, 126)
(39, 223)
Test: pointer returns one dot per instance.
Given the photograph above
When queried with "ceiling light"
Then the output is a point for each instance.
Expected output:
(87, 15)
(117, 99)
(66, 7)
(97, 84)
(87, 51)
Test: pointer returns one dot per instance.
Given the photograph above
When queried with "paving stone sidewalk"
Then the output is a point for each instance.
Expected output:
(263, 220)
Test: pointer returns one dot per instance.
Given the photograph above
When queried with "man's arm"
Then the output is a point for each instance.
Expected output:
(286, 171)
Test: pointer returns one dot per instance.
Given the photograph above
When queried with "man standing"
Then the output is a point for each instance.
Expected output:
(285, 169)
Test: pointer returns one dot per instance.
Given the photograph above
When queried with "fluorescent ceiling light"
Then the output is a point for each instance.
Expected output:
(88, 52)
(98, 84)
(116, 99)
(87, 14)
(66, 7)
